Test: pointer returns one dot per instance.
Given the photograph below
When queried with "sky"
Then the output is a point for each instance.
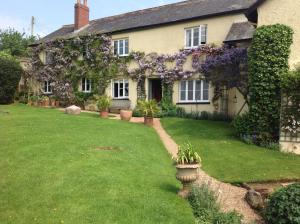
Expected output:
(52, 14)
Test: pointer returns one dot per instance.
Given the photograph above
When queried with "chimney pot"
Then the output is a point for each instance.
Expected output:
(81, 14)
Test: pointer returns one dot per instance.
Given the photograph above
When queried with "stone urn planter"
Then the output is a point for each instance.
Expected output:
(126, 115)
(188, 164)
(104, 114)
(187, 174)
(148, 121)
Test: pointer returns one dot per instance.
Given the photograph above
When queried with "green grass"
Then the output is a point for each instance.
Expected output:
(227, 158)
(52, 172)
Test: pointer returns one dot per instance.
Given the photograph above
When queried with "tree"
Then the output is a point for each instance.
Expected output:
(15, 43)
(10, 74)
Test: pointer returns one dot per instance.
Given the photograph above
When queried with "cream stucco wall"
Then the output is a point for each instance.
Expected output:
(171, 38)
(284, 12)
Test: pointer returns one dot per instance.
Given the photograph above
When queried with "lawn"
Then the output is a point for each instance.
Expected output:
(54, 169)
(228, 159)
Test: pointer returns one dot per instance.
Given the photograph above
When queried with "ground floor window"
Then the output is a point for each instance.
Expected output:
(194, 91)
(86, 85)
(121, 89)
(47, 87)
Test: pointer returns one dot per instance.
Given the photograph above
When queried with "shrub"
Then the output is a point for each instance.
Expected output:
(104, 103)
(148, 108)
(10, 75)
(207, 210)
(283, 206)
(268, 61)
(187, 154)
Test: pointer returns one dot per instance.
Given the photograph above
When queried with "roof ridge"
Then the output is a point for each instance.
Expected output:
(145, 9)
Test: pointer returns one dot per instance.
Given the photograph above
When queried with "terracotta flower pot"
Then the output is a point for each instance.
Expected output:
(104, 114)
(148, 121)
(57, 103)
(46, 103)
(52, 103)
(187, 174)
(35, 103)
(126, 115)
(30, 103)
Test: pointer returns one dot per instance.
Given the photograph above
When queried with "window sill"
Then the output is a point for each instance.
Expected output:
(193, 103)
(120, 99)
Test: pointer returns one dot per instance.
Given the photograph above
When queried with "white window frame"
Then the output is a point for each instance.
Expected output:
(118, 47)
(85, 82)
(124, 81)
(194, 92)
(192, 34)
(48, 87)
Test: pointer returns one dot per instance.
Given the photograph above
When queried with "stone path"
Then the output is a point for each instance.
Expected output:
(230, 197)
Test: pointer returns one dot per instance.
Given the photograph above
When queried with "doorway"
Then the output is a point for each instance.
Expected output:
(155, 89)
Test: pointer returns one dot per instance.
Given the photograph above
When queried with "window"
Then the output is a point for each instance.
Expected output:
(195, 36)
(194, 91)
(47, 87)
(121, 89)
(121, 47)
(49, 58)
(86, 85)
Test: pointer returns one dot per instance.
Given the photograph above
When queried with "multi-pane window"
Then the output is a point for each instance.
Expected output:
(121, 89)
(86, 85)
(121, 47)
(195, 36)
(194, 91)
(47, 87)
(49, 58)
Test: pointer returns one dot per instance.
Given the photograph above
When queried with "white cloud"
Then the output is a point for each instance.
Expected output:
(22, 25)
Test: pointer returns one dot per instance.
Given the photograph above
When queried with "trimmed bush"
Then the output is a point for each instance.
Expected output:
(268, 61)
(10, 75)
(283, 206)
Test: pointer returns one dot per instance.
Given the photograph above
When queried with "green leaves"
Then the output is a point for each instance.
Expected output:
(187, 154)
(284, 206)
(268, 61)
(148, 108)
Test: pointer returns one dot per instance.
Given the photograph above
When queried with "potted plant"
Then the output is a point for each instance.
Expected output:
(35, 100)
(188, 163)
(30, 101)
(148, 109)
(103, 104)
(52, 101)
(126, 115)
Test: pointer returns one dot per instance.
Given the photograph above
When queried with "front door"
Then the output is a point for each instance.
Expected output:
(155, 89)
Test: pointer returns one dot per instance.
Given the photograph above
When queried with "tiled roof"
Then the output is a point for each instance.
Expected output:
(240, 31)
(171, 13)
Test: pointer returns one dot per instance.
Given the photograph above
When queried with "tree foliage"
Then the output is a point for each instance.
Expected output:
(10, 74)
(15, 43)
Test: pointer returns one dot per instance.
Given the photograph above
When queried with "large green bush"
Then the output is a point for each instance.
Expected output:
(284, 206)
(10, 74)
(268, 61)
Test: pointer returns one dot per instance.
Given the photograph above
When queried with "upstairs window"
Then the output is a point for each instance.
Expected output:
(121, 47)
(47, 87)
(86, 85)
(194, 91)
(49, 58)
(195, 36)
(121, 89)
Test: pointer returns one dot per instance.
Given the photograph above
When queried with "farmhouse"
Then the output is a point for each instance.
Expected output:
(167, 30)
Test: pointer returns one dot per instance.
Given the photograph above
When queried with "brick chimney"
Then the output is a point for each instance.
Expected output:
(82, 13)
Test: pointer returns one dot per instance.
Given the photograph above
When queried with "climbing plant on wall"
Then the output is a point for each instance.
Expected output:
(69, 60)
(268, 61)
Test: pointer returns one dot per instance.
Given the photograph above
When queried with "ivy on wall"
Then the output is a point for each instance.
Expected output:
(268, 61)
